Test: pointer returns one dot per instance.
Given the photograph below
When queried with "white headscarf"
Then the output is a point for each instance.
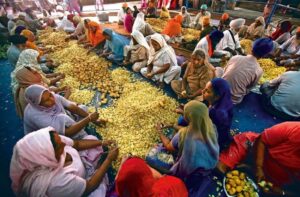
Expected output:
(66, 25)
(139, 22)
(165, 48)
(237, 23)
(28, 58)
(33, 164)
(139, 37)
(10, 16)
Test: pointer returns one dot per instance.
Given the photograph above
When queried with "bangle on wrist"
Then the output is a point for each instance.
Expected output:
(89, 118)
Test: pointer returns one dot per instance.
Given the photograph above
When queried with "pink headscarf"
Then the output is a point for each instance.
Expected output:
(37, 117)
(34, 164)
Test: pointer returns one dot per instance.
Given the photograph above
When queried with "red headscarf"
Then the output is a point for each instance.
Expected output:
(284, 27)
(97, 37)
(173, 27)
(70, 18)
(135, 179)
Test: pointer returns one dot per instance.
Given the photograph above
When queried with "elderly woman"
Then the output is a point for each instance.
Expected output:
(128, 20)
(216, 95)
(276, 157)
(48, 109)
(47, 164)
(186, 17)
(79, 32)
(11, 23)
(141, 26)
(114, 46)
(26, 77)
(136, 178)
(197, 147)
(197, 74)
(162, 64)
(29, 58)
(257, 29)
(137, 53)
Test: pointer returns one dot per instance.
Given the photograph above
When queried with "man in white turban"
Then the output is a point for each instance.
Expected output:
(230, 44)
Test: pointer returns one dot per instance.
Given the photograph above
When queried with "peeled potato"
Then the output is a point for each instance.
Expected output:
(235, 172)
(232, 191)
(227, 187)
(246, 194)
(237, 181)
(232, 183)
(240, 195)
(239, 188)
(229, 175)
(242, 175)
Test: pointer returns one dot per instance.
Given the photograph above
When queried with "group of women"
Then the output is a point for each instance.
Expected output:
(57, 156)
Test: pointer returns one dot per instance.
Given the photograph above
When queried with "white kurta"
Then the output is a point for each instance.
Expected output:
(167, 77)
(242, 73)
(291, 46)
(227, 41)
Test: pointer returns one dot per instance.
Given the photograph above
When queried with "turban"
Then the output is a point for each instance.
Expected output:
(262, 47)
(17, 39)
(237, 23)
(125, 5)
(216, 35)
(203, 7)
(225, 16)
(19, 29)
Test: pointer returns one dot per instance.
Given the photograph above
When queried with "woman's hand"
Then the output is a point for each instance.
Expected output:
(113, 154)
(150, 75)
(100, 122)
(93, 116)
(109, 143)
(259, 174)
(159, 127)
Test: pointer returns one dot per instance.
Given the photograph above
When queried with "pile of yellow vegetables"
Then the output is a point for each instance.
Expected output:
(189, 34)
(82, 96)
(270, 69)
(246, 44)
(132, 118)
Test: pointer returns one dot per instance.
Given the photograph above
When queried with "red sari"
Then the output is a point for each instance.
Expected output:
(135, 179)
(282, 161)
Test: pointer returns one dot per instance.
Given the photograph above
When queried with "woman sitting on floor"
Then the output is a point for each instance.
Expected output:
(79, 32)
(291, 46)
(173, 28)
(164, 14)
(186, 17)
(141, 26)
(162, 64)
(29, 58)
(257, 29)
(26, 77)
(276, 156)
(197, 147)
(136, 179)
(47, 164)
(151, 9)
(114, 46)
(95, 36)
(197, 74)
(137, 53)
(48, 109)
(216, 95)
(282, 32)
(128, 21)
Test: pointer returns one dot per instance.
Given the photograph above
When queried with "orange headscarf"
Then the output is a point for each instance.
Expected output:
(206, 20)
(97, 37)
(298, 30)
(135, 179)
(30, 41)
(173, 27)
